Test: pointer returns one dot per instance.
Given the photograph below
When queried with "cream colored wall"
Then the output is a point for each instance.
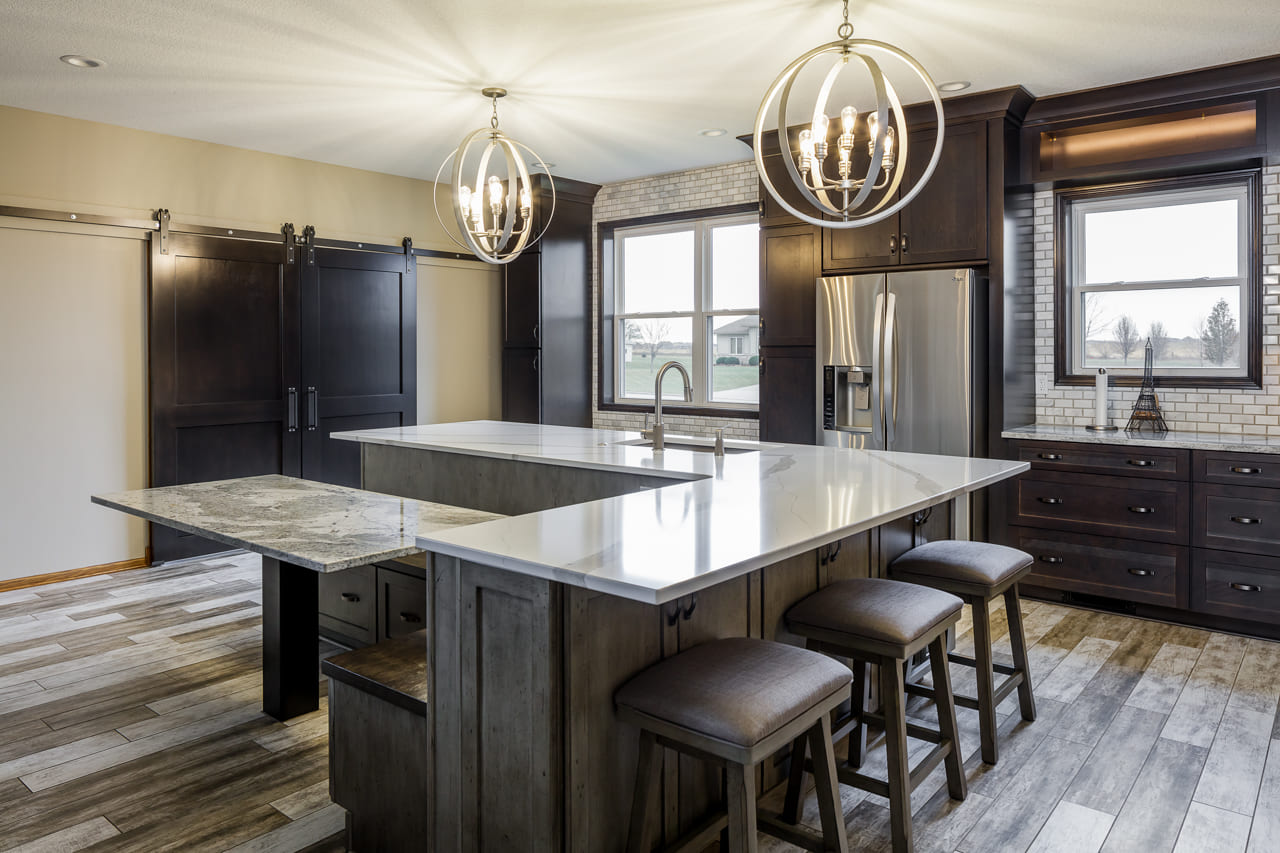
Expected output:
(66, 164)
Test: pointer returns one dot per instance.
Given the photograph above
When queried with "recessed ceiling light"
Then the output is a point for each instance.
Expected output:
(82, 61)
(954, 86)
(547, 166)
(713, 131)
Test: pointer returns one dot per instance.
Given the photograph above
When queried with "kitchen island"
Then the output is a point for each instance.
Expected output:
(612, 558)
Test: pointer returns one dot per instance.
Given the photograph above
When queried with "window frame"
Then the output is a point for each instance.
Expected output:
(610, 248)
(1068, 258)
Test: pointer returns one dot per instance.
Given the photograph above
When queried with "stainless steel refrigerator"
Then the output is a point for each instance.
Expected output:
(901, 362)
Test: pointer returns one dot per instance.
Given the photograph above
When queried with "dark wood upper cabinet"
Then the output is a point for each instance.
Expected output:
(945, 223)
(789, 268)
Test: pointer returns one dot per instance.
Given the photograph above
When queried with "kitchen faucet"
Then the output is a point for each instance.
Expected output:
(655, 434)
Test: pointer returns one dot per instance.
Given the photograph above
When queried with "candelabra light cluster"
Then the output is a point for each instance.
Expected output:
(491, 223)
(847, 199)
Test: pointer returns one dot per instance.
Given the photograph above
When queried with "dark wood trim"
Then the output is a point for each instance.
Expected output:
(76, 574)
(605, 308)
(1063, 199)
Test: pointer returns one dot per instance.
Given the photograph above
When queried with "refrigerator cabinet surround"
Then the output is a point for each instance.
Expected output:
(900, 362)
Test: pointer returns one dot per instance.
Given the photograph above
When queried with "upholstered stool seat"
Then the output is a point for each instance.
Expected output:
(736, 702)
(883, 622)
(978, 572)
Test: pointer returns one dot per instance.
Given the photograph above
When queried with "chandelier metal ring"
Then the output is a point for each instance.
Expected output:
(887, 104)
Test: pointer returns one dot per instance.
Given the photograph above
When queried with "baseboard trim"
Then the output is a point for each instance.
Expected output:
(74, 574)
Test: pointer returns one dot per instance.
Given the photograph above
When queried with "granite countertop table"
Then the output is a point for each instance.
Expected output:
(317, 526)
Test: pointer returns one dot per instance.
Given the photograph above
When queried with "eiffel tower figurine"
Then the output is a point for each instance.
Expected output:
(1146, 410)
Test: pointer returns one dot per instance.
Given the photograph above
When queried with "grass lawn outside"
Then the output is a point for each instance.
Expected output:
(639, 374)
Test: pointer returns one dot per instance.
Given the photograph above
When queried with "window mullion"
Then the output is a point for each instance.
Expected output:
(701, 354)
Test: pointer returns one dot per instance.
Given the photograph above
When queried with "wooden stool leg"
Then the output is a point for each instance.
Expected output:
(647, 769)
(986, 678)
(742, 809)
(946, 707)
(795, 781)
(857, 744)
(893, 700)
(824, 777)
(1018, 639)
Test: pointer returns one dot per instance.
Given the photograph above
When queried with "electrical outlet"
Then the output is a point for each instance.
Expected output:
(1043, 384)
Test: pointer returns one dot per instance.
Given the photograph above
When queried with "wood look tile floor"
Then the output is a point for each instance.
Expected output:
(130, 720)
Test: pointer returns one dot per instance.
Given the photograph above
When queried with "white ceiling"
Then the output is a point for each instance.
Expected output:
(604, 89)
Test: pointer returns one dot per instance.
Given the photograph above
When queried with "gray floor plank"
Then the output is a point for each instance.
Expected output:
(1194, 718)
(1264, 837)
(1233, 770)
(1163, 679)
(1070, 676)
(1105, 780)
(1153, 813)
(1072, 828)
(1212, 830)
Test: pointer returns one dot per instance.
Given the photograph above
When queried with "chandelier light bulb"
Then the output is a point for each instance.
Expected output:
(477, 209)
(464, 197)
(847, 199)
(495, 191)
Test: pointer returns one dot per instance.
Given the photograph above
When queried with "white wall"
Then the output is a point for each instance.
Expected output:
(73, 416)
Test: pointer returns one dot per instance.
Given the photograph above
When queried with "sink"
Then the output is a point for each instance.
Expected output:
(696, 444)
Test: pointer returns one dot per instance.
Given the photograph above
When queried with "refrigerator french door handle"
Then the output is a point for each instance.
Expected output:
(877, 373)
(889, 397)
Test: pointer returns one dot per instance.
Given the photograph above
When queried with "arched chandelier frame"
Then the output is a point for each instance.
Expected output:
(853, 192)
(489, 237)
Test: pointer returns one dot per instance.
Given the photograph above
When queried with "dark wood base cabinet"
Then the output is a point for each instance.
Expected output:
(1189, 536)
(369, 604)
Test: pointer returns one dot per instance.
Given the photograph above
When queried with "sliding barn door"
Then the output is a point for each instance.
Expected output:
(224, 362)
(359, 354)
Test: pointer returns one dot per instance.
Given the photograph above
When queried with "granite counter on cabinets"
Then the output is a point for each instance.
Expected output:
(1183, 439)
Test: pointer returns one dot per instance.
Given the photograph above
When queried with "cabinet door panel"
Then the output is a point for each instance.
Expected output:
(1238, 586)
(788, 395)
(866, 247)
(947, 221)
(1236, 468)
(521, 388)
(788, 286)
(1237, 518)
(521, 308)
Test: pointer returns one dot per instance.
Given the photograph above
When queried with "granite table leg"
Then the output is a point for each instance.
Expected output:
(290, 639)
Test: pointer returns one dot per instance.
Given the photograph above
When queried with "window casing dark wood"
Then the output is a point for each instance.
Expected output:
(605, 235)
(1251, 328)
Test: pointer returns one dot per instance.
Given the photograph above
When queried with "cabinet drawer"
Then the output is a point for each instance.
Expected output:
(1097, 565)
(1241, 586)
(1152, 463)
(347, 603)
(402, 604)
(1235, 518)
(1236, 468)
(1152, 510)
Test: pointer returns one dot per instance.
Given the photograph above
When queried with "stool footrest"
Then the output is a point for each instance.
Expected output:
(849, 776)
(700, 837)
(913, 730)
(1001, 692)
(965, 660)
(794, 834)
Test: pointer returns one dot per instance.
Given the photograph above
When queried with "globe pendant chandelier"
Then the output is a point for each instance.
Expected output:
(494, 215)
(837, 196)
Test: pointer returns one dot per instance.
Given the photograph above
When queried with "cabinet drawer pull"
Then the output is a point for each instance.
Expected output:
(893, 245)
(1246, 587)
(1244, 519)
(1053, 561)
(1052, 457)
(1050, 500)
(350, 596)
(1142, 463)
(412, 618)
(1240, 469)
(1142, 509)
(1142, 573)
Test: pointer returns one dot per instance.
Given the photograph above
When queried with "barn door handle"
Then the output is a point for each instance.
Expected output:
(293, 410)
(313, 408)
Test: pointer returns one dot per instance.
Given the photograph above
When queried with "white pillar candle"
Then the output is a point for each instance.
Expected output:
(1100, 399)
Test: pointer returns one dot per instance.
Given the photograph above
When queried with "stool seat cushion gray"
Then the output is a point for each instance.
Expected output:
(894, 616)
(977, 567)
(738, 691)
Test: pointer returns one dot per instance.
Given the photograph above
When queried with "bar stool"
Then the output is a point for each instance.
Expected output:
(978, 572)
(735, 702)
(885, 622)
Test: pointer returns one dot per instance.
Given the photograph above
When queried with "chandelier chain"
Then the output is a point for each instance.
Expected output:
(845, 30)
(493, 121)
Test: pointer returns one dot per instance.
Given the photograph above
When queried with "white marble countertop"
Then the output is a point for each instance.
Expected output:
(1174, 438)
(736, 514)
(314, 525)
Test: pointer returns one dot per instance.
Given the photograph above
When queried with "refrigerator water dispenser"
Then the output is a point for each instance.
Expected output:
(846, 398)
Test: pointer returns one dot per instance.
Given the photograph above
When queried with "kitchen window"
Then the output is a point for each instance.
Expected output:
(685, 291)
(1173, 262)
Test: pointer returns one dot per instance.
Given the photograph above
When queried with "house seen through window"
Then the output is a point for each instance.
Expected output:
(688, 292)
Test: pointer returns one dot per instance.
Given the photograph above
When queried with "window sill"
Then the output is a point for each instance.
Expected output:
(1233, 382)
(672, 409)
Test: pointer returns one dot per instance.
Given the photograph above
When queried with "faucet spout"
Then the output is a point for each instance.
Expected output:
(656, 434)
